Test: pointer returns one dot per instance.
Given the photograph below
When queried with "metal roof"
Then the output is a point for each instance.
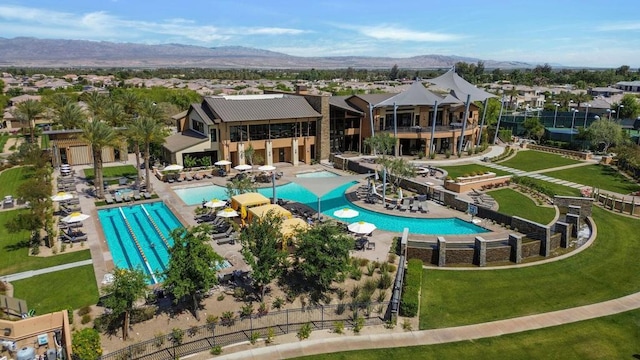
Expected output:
(185, 140)
(233, 110)
(460, 87)
(340, 102)
(415, 95)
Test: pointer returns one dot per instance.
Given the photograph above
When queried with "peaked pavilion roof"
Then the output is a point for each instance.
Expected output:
(459, 87)
(415, 95)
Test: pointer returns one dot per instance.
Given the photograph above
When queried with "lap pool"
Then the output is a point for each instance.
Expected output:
(336, 200)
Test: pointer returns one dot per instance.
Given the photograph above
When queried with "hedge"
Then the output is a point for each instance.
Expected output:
(411, 292)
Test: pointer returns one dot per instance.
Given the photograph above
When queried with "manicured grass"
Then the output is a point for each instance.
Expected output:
(59, 290)
(599, 176)
(3, 140)
(607, 270)
(611, 337)
(460, 170)
(557, 188)
(14, 250)
(113, 172)
(514, 203)
(11, 179)
(530, 160)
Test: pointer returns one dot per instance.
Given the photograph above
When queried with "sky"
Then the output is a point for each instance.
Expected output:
(586, 33)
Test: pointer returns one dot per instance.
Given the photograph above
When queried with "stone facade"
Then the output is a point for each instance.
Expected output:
(564, 202)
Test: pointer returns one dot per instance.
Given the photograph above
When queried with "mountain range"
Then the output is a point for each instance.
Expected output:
(33, 52)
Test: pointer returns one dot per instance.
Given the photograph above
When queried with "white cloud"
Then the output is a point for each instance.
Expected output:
(388, 32)
(619, 27)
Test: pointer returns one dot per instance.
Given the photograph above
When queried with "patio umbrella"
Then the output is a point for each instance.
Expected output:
(227, 213)
(266, 168)
(243, 167)
(345, 213)
(62, 196)
(222, 163)
(215, 203)
(361, 227)
(173, 167)
(75, 217)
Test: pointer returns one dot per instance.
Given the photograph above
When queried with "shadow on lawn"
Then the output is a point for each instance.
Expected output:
(23, 244)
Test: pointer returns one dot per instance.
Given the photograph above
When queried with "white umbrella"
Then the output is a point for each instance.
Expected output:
(361, 227)
(345, 213)
(173, 167)
(215, 203)
(65, 166)
(75, 217)
(62, 196)
(228, 213)
(243, 167)
(222, 163)
(266, 168)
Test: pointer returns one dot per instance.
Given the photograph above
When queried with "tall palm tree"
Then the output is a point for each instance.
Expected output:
(98, 135)
(564, 98)
(582, 98)
(96, 102)
(113, 113)
(70, 116)
(147, 131)
(131, 106)
(27, 112)
(513, 92)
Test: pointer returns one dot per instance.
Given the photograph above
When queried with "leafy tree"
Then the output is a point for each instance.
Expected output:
(191, 268)
(322, 253)
(98, 135)
(630, 108)
(251, 155)
(70, 116)
(393, 74)
(564, 99)
(582, 98)
(261, 248)
(127, 287)
(512, 93)
(381, 143)
(397, 168)
(27, 112)
(85, 344)
(113, 114)
(606, 132)
(240, 185)
(96, 102)
(533, 128)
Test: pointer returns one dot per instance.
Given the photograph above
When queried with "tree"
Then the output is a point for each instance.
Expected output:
(96, 102)
(393, 74)
(582, 98)
(147, 131)
(322, 253)
(27, 112)
(630, 108)
(128, 286)
(261, 248)
(381, 143)
(240, 185)
(397, 168)
(192, 265)
(512, 93)
(533, 128)
(98, 135)
(251, 155)
(70, 116)
(85, 344)
(606, 132)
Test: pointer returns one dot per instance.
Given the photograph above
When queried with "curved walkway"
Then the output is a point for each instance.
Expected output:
(440, 336)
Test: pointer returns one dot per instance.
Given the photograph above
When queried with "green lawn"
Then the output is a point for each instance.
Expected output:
(557, 188)
(3, 141)
(607, 270)
(514, 203)
(611, 337)
(11, 179)
(14, 251)
(59, 290)
(599, 176)
(113, 172)
(460, 170)
(530, 160)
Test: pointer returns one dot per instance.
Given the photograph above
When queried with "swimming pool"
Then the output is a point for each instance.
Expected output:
(317, 174)
(138, 236)
(336, 200)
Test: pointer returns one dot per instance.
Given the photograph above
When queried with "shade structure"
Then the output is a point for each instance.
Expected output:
(222, 163)
(345, 213)
(173, 167)
(261, 211)
(227, 213)
(266, 168)
(361, 227)
(243, 167)
(75, 217)
(289, 226)
(248, 200)
(459, 87)
(215, 203)
(62, 196)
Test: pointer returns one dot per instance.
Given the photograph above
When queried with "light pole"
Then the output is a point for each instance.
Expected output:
(573, 120)
(609, 113)
(618, 113)
(555, 114)
(586, 114)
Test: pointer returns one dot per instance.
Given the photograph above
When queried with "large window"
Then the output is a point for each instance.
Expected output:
(197, 126)
(277, 131)
(213, 134)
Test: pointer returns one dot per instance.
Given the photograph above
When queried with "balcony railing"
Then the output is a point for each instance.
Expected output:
(418, 129)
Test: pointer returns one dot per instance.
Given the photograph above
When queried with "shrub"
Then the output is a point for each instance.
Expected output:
(355, 292)
(278, 303)
(341, 308)
(304, 332)
(246, 310)
(338, 327)
(158, 339)
(371, 269)
(216, 350)
(263, 309)
(239, 293)
(177, 335)
(363, 262)
(86, 344)
(406, 325)
(382, 294)
(340, 293)
(212, 319)
(359, 324)
(253, 338)
(220, 297)
(86, 318)
(411, 293)
(70, 314)
(84, 310)
(271, 334)
(228, 318)
(356, 273)
(385, 281)
(370, 285)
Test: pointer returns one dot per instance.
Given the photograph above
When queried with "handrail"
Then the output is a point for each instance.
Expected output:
(135, 241)
(155, 226)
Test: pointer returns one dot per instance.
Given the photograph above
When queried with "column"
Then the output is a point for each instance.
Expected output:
(268, 150)
(442, 251)
(575, 221)
(565, 233)
(480, 251)
(295, 157)
(241, 159)
(515, 241)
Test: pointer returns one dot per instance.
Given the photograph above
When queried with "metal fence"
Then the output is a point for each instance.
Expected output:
(204, 337)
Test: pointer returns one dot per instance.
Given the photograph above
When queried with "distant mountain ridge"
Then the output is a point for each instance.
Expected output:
(33, 52)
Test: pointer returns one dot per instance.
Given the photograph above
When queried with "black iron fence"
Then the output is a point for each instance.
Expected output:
(204, 337)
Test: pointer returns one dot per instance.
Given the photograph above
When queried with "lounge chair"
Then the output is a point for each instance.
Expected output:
(423, 207)
(208, 175)
(188, 177)
(147, 195)
(223, 234)
(414, 207)
(136, 194)
(404, 206)
(197, 176)
(226, 240)
(127, 197)
(118, 197)
(108, 198)
(179, 179)
(391, 204)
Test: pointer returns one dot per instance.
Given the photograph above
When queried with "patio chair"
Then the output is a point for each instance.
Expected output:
(108, 198)
(188, 177)
(118, 197)
(136, 194)
(226, 240)
(404, 206)
(423, 207)
(414, 207)
(197, 176)
(147, 195)
(391, 205)
(127, 197)
(223, 234)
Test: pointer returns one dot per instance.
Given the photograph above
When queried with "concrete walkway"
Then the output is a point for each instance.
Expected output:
(31, 273)
(439, 336)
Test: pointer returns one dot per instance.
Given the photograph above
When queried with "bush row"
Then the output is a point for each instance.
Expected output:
(533, 184)
(411, 292)
(508, 151)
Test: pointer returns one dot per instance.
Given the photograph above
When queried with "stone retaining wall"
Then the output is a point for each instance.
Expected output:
(577, 154)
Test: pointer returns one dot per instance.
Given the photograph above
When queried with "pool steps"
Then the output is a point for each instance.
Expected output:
(135, 240)
(155, 226)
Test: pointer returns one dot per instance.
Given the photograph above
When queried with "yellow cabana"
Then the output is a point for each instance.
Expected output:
(289, 226)
(248, 200)
(260, 211)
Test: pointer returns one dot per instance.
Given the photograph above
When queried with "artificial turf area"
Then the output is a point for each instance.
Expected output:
(530, 160)
(461, 170)
(113, 172)
(11, 179)
(513, 203)
(598, 176)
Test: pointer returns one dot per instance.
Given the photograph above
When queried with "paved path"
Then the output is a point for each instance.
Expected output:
(31, 273)
(439, 336)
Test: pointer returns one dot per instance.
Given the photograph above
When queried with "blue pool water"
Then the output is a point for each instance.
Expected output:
(153, 240)
(317, 174)
(336, 200)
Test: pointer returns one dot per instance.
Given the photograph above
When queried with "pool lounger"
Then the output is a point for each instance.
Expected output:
(223, 234)
(147, 195)
(136, 194)
(226, 240)
(108, 198)
(118, 197)
(414, 207)
(68, 238)
(405, 204)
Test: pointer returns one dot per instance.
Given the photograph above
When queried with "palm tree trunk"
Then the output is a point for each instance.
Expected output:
(195, 307)
(146, 167)
(136, 149)
(97, 155)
